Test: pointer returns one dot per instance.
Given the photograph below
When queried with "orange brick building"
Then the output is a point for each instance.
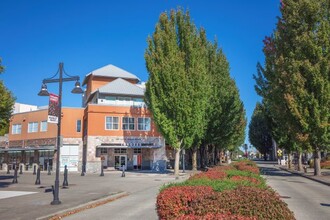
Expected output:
(114, 128)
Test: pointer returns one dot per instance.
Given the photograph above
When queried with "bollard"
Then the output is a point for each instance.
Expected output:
(38, 177)
(102, 173)
(34, 169)
(65, 181)
(21, 169)
(15, 175)
(8, 171)
(48, 168)
(123, 173)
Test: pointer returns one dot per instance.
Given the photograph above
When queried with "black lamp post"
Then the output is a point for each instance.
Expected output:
(44, 92)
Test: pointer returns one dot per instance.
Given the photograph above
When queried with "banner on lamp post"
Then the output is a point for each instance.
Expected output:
(53, 109)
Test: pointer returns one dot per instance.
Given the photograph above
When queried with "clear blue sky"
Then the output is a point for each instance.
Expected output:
(36, 35)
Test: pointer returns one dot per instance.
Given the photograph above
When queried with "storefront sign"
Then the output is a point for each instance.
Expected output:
(53, 110)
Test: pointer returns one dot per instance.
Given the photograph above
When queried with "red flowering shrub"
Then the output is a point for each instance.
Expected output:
(212, 216)
(245, 178)
(174, 202)
(246, 201)
(222, 168)
(247, 166)
(210, 174)
(325, 164)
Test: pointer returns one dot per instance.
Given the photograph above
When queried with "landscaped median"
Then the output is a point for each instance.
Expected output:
(223, 192)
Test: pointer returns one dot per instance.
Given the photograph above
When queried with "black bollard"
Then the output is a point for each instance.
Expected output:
(38, 177)
(48, 168)
(65, 181)
(15, 175)
(34, 169)
(21, 169)
(123, 173)
(8, 171)
(102, 173)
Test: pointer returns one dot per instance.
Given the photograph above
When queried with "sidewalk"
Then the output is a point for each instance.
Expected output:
(25, 200)
(324, 179)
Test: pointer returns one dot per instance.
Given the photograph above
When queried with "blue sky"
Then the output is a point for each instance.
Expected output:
(36, 35)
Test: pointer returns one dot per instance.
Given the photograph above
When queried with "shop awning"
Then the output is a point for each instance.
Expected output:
(129, 147)
(27, 148)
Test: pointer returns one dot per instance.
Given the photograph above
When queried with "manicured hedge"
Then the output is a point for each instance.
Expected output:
(223, 192)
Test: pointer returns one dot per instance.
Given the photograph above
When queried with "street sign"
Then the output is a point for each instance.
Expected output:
(279, 152)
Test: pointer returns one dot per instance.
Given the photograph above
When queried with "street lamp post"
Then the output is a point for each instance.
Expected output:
(44, 92)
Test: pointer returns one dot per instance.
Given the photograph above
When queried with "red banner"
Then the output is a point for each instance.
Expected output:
(53, 108)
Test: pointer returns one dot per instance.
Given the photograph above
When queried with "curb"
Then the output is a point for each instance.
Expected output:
(82, 207)
(306, 176)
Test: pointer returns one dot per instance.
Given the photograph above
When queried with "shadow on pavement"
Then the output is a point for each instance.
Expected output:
(5, 184)
(274, 172)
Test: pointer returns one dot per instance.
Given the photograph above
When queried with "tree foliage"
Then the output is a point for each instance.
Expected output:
(295, 81)
(177, 89)
(259, 130)
(6, 105)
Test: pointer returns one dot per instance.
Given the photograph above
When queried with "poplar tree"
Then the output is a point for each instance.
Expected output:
(6, 105)
(297, 73)
(177, 91)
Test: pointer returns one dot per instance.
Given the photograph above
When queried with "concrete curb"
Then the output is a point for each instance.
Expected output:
(306, 176)
(82, 207)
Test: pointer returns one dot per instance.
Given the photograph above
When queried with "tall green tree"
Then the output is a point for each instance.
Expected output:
(177, 91)
(260, 135)
(6, 105)
(299, 74)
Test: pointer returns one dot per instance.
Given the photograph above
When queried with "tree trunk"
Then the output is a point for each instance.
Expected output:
(201, 153)
(289, 161)
(216, 152)
(194, 158)
(300, 165)
(317, 160)
(221, 153)
(176, 163)
(213, 154)
(206, 151)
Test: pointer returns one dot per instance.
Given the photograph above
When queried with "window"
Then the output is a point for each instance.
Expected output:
(111, 123)
(144, 124)
(104, 150)
(43, 126)
(128, 123)
(120, 150)
(32, 127)
(78, 126)
(16, 129)
(137, 150)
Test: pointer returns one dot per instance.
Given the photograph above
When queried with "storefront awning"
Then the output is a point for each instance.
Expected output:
(129, 147)
(27, 148)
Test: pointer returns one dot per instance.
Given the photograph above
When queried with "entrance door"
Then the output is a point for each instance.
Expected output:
(120, 161)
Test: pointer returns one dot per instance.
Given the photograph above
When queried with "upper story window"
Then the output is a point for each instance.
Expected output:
(111, 123)
(16, 129)
(128, 123)
(144, 124)
(43, 126)
(78, 125)
(32, 127)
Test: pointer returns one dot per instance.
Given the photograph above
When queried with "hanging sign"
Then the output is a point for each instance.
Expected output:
(53, 108)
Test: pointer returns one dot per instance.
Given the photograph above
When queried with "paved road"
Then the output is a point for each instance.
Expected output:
(306, 198)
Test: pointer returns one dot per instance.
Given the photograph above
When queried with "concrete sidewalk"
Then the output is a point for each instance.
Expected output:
(35, 200)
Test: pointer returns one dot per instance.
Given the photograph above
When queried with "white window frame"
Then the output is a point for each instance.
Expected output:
(16, 129)
(34, 127)
(41, 123)
(143, 123)
(77, 125)
(122, 123)
(105, 124)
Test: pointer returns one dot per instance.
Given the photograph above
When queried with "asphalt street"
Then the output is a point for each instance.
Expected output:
(309, 200)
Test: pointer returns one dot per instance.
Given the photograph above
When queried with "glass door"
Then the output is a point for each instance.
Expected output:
(120, 161)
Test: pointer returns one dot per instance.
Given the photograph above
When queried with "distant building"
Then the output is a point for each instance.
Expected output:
(114, 128)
